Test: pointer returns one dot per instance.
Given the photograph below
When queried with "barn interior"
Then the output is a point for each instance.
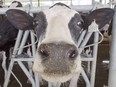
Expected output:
(100, 76)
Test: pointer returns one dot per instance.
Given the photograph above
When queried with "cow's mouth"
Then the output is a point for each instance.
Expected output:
(56, 77)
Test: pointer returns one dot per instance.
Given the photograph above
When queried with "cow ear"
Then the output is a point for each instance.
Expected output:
(101, 16)
(20, 19)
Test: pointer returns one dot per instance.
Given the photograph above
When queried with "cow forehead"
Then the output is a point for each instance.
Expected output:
(57, 19)
(13, 5)
(59, 10)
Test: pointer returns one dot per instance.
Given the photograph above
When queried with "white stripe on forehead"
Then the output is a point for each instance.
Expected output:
(13, 5)
(58, 18)
(60, 10)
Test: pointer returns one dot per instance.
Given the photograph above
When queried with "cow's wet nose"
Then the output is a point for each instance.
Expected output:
(58, 50)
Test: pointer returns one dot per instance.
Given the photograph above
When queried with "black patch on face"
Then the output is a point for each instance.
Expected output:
(75, 25)
(41, 24)
(7, 32)
(61, 4)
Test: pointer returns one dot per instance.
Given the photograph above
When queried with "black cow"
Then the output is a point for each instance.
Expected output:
(58, 28)
(8, 33)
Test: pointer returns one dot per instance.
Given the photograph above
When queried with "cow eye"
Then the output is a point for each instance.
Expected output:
(73, 54)
(80, 23)
(35, 22)
(44, 53)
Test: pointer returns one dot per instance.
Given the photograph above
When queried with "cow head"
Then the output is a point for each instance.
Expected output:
(15, 4)
(7, 30)
(57, 28)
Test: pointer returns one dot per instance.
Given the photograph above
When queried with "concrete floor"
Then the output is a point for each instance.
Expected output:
(101, 72)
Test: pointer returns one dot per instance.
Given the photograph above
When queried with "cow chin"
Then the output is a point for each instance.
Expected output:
(51, 77)
(57, 78)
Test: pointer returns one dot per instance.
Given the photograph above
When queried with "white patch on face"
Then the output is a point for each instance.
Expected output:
(105, 33)
(13, 5)
(105, 29)
(57, 29)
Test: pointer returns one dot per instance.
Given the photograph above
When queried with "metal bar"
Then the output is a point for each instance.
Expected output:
(49, 84)
(88, 35)
(4, 64)
(85, 78)
(24, 59)
(33, 44)
(6, 81)
(26, 73)
(34, 52)
(84, 8)
(95, 49)
(93, 2)
(23, 42)
(112, 71)
(81, 38)
(86, 59)
(37, 80)
(20, 33)
(31, 2)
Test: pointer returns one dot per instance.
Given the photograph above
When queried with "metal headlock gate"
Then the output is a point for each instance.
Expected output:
(84, 37)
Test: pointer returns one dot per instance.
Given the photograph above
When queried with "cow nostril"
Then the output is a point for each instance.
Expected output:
(73, 54)
(44, 53)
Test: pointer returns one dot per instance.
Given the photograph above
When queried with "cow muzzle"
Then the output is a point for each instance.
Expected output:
(58, 60)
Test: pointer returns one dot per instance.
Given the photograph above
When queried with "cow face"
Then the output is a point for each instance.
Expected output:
(58, 28)
(15, 4)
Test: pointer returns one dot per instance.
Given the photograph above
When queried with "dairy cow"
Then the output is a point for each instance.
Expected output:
(105, 30)
(58, 29)
(8, 33)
